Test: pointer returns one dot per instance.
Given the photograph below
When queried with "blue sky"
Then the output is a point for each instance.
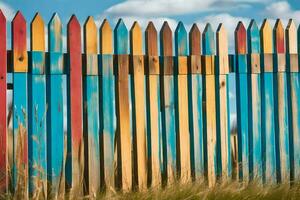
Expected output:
(228, 12)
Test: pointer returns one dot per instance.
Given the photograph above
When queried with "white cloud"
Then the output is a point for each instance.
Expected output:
(8, 11)
(174, 7)
(230, 22)
(283, 10)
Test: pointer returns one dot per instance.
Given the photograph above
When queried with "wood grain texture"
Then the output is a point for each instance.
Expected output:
(268, 125)
(37, 139)
(266, 37)
(195, 40)
(106, 45)
(20, 57)
(210, 126)
(208, 41)
(166, 47)
(291, 37)
(170, 154)
(91, 123)
(151, 47)
(240, 39)
(108, 121)
(20, 106)
(281, 105)
(195, 97)
(37, 28)
(154, 136)
(222, 97)
(222, 50)
(74, 165)
(292, 58)
(255, 147)
(293, 79)
(181, 103)
(56, 137)
(122, 104)
(253, 35)
(279, 37)
(3, 120)
(138, 107)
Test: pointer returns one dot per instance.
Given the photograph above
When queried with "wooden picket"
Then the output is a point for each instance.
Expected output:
(138, 120)
(209, 98)
(168, 106)
(3, 121)
(255, 145)
(37, 111)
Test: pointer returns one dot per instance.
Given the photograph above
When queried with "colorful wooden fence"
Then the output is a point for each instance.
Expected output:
(92, 120)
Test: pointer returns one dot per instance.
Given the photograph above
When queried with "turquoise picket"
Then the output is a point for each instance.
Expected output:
(167, 105)
(281, 105)
(242, 88)
(56, 80)
(108, 124)
(268, 119)
(255, 147)
(124, 116)
(195, 95)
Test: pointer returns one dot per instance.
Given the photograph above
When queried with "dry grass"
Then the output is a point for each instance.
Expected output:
(235, 191)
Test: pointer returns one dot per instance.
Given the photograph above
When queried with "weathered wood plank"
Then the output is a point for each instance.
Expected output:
(56, 136)
(138, 107)
(181, 103)
(37, 153)
(195, 96)
(168, 106)
(293, 80)
(123, 110)
(281, 105)
(222, 98)
(75, 159)
(20, 107)
(3, 121)
(91, 110)
(209, 97)
(154, 137)
(255, 147)
(242, 102)
(268, 124)
(108, 123)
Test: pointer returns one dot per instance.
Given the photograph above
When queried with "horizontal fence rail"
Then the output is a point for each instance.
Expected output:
(112, 117)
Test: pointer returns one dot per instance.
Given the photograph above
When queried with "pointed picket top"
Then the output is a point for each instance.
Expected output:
(181, 47)
(195, 40)
(266, 37)
(253, 36)
(222, 40)
(90, 36)
(136, 41)
(106, 38)
(37, 33)
(121, 38)
(19, 46)
(240, 39)
(279, 37)
(151, 40)
(208, 40)
(74, 35)
(166, 47)
(2, 17)
(55, 34)
(291, 37)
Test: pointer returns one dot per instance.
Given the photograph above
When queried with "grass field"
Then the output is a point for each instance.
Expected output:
(235, 191)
